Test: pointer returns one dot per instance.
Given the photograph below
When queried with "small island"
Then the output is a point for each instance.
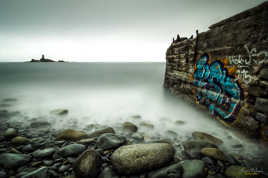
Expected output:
(43, 59)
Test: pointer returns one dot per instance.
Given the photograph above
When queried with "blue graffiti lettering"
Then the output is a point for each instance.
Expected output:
(220, 92)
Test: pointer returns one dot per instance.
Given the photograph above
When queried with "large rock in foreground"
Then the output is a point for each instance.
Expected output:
(88, 164)
(141, 157)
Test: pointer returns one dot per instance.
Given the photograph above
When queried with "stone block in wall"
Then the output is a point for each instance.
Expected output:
(248, 125)
(264, 74)
(261, 105)
(258, 91)
(260, 117)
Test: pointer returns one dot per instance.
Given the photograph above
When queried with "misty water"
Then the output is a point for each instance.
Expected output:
(107, 94)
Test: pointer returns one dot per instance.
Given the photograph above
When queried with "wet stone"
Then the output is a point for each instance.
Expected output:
(40, 173)
(48, 162)
(172, 171)
(99, 132)
(9, 100)
(237, 146)
(137, 158)
(171, 133)
(10, 133)
(88, 164)
(3, 174)
(193, 148)
(214, 153)
(44, 153)
(2, 138)
(72, 150)
(108, 172)
(12, 160)
(147, 125)
(110, 141)
(193, 169)
(209, 162)
(71, 135)
(40, 124)
(236, 172)
(59, 112)
(71, 159)
(64, 168)
(207, 137)
(129, 126)
(180, 122)
(87, 141)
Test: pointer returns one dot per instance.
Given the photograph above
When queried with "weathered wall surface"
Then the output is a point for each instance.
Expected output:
(225, 70)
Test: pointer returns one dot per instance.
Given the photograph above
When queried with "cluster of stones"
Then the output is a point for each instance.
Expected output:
(105, 152)
(223, 40)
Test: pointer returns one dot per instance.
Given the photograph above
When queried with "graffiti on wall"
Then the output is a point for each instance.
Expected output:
(253, 57)
(243, 63)
(217, 88)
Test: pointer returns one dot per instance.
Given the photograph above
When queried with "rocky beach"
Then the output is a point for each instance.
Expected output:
(37, 149)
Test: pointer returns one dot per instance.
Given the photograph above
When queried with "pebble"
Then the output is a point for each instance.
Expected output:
(214, 153)
(88, 164)
(110, 141)
(27, 148)
(48, 162)
(171, 171)
(193, 169)
(10, 133)
(12, 160)
(43, 153)
(40, 173)
(72, 150)
(64, 168)
(129, 126)
(3, 174)
(71, 135)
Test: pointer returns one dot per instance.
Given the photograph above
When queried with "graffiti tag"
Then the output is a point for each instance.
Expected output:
(253, 57)
(218, 90)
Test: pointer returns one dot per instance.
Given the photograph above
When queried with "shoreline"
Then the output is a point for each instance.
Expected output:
(39, 149)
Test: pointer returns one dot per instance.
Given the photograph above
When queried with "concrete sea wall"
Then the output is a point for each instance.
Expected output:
(225, 71)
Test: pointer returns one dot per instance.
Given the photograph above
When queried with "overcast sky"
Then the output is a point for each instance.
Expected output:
(104, 30)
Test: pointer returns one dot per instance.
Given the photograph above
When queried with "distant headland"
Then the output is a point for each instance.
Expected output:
(43, 59)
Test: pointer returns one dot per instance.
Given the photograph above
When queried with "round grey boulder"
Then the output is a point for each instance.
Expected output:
(138, 158)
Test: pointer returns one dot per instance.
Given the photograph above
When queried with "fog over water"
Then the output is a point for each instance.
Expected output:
(107, 94)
